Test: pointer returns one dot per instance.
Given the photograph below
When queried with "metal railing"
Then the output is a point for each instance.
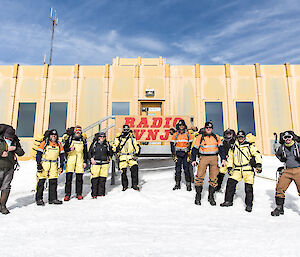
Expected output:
(98, 125)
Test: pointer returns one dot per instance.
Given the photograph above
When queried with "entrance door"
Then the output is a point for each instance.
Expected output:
(151, 108)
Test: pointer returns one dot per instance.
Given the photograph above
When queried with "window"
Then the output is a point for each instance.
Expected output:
(26, 119)
(58, 117)
(120, 108)
(214, 113)
(245, 117)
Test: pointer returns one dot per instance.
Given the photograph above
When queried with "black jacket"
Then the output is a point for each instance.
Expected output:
(100, 151)
(9, 161)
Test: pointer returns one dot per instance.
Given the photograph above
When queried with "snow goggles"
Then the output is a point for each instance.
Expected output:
(78, 130)
(287, 137)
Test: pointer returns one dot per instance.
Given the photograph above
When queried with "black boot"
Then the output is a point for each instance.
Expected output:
(79, 184)
(124, 179)
(279, 210)
(220, 180)
(135, 177)
(177, 183)
(211, 192)
(249, 197)
(101, 186)
(95, 185)
(4, 198)
(188, 186)
(198, 195)
(68, 184)
(53, 192)
(39, 192)
(230, 190)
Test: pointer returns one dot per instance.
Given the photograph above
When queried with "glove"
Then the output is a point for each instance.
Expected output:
(39, 167)
(229, 170)
(60, 170)
(259, 170)
(117, 149)
(174, 157)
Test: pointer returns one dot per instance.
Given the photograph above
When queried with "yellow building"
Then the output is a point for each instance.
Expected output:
(261, 99)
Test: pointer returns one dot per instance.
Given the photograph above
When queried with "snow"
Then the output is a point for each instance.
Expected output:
(156, 221)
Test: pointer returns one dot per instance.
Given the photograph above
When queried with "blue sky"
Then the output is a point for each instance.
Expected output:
(185, 32)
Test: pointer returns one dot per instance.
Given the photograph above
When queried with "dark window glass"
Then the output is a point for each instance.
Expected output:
(214, 113)
(26, 119)
(245, 117)
(120, 108)
(58, 117)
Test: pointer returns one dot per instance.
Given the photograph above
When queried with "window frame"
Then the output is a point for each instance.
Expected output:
(254, 111)
(34, 119)
(222, 106)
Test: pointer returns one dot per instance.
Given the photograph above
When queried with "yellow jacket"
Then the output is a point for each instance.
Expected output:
(126, 145)
(239, 157)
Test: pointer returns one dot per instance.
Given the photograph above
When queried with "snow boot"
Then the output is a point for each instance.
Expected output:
(67, 198)
(198, 195)
(4, 198)
(226, 204)
(248, 208)
(55, 202)
(211, 192)
(177, 185)
(229, 193)
(79, 184)
(124, 179)
(79, 197)
(101, 186)
(249, 194)
(279, 208)
(135, 177)
(40, 190)
(53, 192)
(40, 202)
(220, 180)
(135, 187)
(188, 186)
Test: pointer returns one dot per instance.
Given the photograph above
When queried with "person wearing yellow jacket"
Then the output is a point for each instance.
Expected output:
(241, 164)
(127, 148)
(77, 155)
(49, 154)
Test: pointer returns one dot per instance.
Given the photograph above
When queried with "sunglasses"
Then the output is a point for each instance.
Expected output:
(240, 136)
(102, 136)
(287, 137)
(208, 127)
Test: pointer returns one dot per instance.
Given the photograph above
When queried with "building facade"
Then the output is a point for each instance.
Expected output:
(261, 99)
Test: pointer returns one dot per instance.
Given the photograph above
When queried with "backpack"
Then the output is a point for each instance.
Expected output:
(37, 141)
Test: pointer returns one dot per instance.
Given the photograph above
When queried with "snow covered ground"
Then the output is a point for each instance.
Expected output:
(153, 222)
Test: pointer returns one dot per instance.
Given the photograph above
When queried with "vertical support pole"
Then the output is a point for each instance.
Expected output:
(44, 95)
(198, 94)
(260, 107)
(229, 98)
(106, 88)
(137, 88)
(169, 100)
(13, 92)
(76, 77)
(290, 93)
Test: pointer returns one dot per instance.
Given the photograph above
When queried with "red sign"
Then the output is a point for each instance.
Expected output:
(150, 128)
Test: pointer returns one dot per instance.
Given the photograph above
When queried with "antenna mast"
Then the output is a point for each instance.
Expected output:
(54, 20)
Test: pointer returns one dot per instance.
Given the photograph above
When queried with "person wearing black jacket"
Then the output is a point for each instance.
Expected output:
(9, 147)
(99, 154)
(76, 155)
(289, 153)
(227, 142)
